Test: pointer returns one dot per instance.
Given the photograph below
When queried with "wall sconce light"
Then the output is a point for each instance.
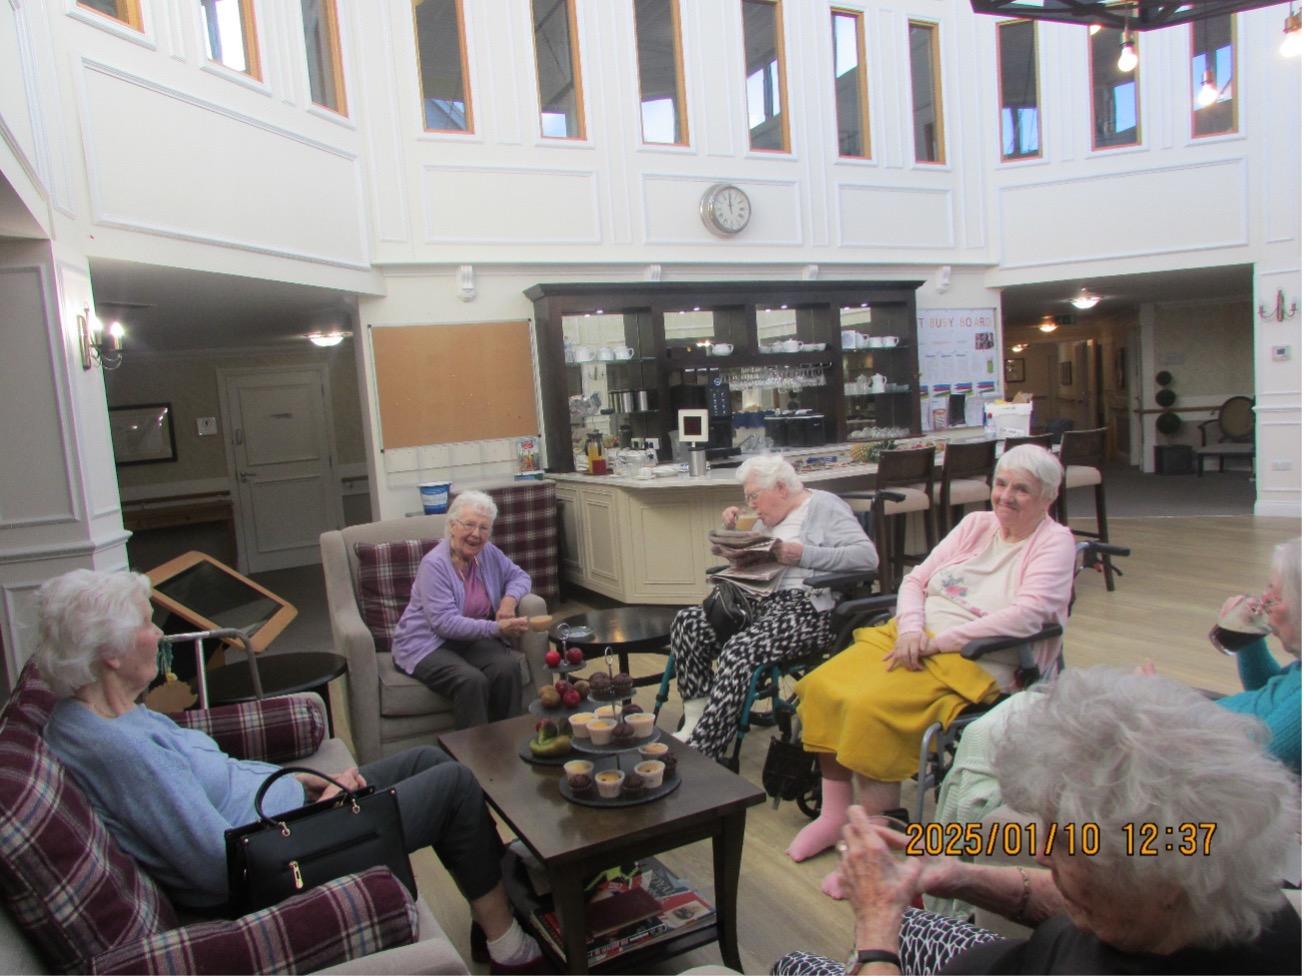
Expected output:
(1048, 324)
(1292, 41)
(1127, 59)
(99, 346)
(1278, 312)
(1085, 300)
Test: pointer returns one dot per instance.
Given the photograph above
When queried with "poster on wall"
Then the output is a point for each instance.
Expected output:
(958, 364)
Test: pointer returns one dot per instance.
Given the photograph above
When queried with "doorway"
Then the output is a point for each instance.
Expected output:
(280, 446)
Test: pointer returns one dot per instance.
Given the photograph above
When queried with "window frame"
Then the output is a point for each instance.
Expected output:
(681, 95)
(1091, 89)
(1000, 89)
(1235, 83)
(133, 19)
(780, 56)
(581, 125)
(249, 36)
(331, 20)
(466, 73)
(939, 114)
(862, 90)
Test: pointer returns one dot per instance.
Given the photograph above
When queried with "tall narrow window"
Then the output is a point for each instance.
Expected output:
(1213, 76)
(441, 57)
(849, 83)
(561, 97)
(1115, 94)
(926, 94)
(1016, 44)
(767, 99)
(229, 35)
(125, 11)
(660, 71)
(321, 38)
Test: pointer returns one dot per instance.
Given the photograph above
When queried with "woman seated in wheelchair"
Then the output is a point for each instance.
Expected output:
(813, 531)
(1004, 572)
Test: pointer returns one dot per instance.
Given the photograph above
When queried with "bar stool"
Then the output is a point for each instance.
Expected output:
(966, 479)
(1082, 451)
(902, 486)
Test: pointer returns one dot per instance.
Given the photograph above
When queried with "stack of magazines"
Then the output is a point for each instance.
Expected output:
(751, 566)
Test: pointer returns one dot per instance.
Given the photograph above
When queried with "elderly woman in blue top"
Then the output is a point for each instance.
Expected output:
(463, 607)
(167, 794)
(813, 531)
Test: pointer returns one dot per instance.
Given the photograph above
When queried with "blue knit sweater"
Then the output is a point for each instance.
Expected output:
(165, 792)
(1272, 694)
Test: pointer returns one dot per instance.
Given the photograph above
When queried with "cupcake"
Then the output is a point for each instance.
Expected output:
(622, 685)
(623, 733)
(600, 685)
(581, 784)
(671, 763)
(635, 784)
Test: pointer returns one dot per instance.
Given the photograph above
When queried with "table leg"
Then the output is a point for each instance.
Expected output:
(727, 857)
(568, 901)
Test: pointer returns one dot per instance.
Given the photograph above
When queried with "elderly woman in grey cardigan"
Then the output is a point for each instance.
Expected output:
(813, 531)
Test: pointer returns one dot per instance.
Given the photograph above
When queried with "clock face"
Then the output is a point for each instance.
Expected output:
(726, 209)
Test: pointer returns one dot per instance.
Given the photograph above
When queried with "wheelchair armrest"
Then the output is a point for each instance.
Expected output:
(1091, 550)
(991, 644)
(865, 607)
(841, 581)
(891, 495)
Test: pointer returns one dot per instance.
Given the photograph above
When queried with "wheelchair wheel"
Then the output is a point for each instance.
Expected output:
(811, 800)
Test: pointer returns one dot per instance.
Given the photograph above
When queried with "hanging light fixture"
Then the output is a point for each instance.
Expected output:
(1143, 15)
(1292, 41)
(1085, 300)
(1048, 324)
(1127, 59)
(1208, 93)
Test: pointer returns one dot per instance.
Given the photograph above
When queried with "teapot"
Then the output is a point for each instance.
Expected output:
(878, 384)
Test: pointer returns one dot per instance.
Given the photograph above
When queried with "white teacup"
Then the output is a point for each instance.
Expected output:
(850, 340)
(875, 341)
(721, 350)
(792, 346)
(606, 354)
(891, 341)
(622, 353)
(583, 354)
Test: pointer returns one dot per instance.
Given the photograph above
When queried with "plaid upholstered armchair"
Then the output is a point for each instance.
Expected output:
(75, 903)
(369, 570)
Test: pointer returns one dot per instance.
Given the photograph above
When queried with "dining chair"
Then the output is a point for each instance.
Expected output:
(1082, 453)
(966, 479)
(902, 486)
(1045, 440)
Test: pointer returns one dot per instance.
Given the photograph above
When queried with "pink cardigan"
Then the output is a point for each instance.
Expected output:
(1045, 585)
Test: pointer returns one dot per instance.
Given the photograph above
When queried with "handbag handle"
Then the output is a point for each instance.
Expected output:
(267, 784)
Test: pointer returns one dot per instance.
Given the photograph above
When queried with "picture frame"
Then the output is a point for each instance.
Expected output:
(1015, 370)
(1066, 374)
(142, 434)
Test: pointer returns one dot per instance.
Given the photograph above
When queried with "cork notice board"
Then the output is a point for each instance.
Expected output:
(454, 383)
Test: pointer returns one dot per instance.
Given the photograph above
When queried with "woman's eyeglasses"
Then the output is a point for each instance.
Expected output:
(484, 529)
(752, 496)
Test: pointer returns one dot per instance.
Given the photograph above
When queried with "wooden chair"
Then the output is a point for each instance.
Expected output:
(966, 479)
(907, 475)
(1232, 435)
(1045, 440)
(1082, 452)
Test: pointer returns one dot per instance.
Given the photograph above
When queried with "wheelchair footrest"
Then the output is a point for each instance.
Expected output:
(789, 770)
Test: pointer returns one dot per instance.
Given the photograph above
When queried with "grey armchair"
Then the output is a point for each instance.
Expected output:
(388, 710)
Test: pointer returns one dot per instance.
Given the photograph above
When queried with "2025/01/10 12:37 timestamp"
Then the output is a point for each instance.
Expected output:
(1146, 839)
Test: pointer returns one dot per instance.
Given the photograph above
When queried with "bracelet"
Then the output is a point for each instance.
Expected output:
(1022, 908)
(859, 957)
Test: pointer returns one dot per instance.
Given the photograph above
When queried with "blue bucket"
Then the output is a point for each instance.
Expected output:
(434, 497)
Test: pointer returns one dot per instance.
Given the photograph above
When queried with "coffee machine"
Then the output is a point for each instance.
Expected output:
(707, 389)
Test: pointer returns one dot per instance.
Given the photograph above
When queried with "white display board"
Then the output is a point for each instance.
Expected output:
(958, 355)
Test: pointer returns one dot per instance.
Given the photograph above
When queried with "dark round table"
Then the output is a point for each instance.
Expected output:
(625, 629)
(281, 673)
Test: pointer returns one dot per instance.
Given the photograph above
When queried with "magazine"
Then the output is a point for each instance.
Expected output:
(668, 904)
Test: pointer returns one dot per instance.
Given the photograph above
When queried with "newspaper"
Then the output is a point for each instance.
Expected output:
(751, 566)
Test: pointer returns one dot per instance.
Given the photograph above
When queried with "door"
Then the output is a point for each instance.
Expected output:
(280, 442)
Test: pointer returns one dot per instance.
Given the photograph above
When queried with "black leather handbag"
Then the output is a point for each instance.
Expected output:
(728, 609)
(277, 857)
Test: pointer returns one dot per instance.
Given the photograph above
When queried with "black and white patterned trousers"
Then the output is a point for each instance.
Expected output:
(786, 627)
(927, 942)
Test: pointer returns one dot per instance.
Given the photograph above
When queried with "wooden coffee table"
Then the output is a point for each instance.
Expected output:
(576, 842)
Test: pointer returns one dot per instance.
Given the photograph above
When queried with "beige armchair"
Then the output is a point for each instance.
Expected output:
(388, 710)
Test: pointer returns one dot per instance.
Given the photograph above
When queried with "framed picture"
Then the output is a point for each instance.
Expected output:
(142, 434)
(1066, 374)
(1014, 372)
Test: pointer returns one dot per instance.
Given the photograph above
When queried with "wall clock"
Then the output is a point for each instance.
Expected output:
(725, 210)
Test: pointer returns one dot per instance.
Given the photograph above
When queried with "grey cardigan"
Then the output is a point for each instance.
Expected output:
(832, 540)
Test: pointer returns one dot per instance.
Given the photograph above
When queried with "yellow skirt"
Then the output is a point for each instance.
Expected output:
(871, 719)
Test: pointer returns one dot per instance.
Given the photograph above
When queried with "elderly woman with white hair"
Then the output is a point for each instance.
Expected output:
(168, 794)
(1003, 572)
(1180, 825)
(463, 606)
(813, 531)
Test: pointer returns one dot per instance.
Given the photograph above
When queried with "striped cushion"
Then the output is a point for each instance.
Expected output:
(63, 880)
(273, 730)
(526, 531)
(385, 575)
(347, 918)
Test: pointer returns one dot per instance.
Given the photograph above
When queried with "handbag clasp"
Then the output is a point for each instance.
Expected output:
(285, 828)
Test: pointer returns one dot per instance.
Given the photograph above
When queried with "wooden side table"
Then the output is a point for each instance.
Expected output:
(281, 673)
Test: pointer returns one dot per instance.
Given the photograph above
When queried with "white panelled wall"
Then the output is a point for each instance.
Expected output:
(130, 145)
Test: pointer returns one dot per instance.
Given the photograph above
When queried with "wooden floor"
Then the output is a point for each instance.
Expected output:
(1179, 572)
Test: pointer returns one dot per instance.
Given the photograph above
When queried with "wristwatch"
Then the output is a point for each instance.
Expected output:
(859, 957)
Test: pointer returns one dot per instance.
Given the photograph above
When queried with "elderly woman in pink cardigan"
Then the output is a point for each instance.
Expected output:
(1004, 572)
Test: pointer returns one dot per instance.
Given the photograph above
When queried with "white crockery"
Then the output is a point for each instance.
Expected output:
(722, 350)
(622, 353)
(583, 354)
(605, 354)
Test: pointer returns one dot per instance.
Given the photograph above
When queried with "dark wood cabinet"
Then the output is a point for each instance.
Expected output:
(613, 354)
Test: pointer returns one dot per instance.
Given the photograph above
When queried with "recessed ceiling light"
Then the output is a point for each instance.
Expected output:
(1085, 300)
(332, 339)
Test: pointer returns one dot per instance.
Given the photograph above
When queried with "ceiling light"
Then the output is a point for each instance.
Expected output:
(1018, 348)
(1208, 93)
(1085, 300)
(1127, 59)
(332, 339)
(1048, 324)
(1141, 15)
(1093, 30)
(1292, 42)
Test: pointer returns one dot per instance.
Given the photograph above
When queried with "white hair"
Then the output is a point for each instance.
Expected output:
(470, 500)
(768, 471)
(1110, 747)
(1286, 565)
(1039, 462)
(82, 617)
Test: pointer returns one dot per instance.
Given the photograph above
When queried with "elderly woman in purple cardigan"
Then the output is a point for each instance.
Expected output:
(452, 634)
